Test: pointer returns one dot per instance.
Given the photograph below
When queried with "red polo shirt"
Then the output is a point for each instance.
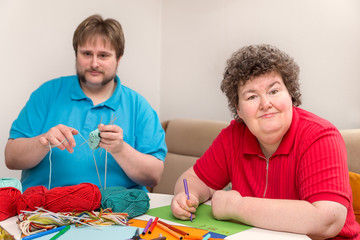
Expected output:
(310, 164)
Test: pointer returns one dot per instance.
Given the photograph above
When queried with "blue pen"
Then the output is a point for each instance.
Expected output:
(40, 234)
(187, 193)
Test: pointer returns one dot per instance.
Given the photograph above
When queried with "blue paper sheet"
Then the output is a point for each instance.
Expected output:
(101, 232)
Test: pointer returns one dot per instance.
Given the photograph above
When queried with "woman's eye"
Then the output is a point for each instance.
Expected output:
(252, 97)
(272, 92)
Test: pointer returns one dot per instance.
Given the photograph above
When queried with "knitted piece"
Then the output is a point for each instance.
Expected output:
(134, 202)
(94, 139)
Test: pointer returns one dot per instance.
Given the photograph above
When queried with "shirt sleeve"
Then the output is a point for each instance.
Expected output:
(323, 172)
(150, 136)
(31, 118)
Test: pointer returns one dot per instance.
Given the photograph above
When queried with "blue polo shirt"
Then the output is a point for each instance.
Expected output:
(62, 101)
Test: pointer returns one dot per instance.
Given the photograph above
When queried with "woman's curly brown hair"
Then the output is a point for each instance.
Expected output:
(256, 60)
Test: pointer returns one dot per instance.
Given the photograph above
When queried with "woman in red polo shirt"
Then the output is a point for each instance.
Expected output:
(287, 166)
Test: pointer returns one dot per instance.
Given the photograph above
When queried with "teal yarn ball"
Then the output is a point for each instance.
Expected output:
(134, 202)
(10, 182)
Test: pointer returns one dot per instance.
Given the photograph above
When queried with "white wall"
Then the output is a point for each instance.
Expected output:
(323, 36)
(36, 46)
(175, 51)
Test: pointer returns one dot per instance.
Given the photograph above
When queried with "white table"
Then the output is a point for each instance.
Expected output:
(159, 200)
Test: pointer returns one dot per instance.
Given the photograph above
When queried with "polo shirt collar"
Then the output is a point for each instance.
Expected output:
(252, 146)
(113, 102)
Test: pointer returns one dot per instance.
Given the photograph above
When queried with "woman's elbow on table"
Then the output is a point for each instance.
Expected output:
(332, 217)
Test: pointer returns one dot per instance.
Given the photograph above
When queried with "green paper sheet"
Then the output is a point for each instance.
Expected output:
(204, 220)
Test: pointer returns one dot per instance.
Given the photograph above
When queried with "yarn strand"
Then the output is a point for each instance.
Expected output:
(50, 163)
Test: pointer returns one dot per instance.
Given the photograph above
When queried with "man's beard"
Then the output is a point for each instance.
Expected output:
(105, 80)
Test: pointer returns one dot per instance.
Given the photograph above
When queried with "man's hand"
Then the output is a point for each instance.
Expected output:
(112, 138)
(60, 136)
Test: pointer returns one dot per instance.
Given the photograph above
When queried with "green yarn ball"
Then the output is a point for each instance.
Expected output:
(134, 202)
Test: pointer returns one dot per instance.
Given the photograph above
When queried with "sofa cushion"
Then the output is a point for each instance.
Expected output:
(352, 142)
(174, 166)
(355, 187)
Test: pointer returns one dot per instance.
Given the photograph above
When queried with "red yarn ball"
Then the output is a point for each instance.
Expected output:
(78, 198)
(32, 197)
(8, 199)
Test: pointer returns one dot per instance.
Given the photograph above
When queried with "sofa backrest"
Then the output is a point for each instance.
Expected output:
(187, 140)
(352, 142)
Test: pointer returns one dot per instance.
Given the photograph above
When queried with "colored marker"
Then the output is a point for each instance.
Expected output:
(153, 225)
(187, 193)
(159, 238)
(168, 230)
(207, 236)
(147, 226)
(40, 234)
(61, 232)
(174, 228)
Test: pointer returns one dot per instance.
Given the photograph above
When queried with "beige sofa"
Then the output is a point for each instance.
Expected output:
(188, 139)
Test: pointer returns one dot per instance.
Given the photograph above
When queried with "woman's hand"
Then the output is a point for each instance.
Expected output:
(223, 204)
(182, 208)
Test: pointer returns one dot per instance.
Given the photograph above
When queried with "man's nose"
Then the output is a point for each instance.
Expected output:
(94, 62)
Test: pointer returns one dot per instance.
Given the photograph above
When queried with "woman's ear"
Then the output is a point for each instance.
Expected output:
(238, 111)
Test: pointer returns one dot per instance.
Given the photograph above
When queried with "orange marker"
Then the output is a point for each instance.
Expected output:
(168, 230)
(193, 237)
(174, 228)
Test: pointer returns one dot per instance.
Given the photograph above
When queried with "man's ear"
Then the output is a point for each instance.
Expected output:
(118, 61)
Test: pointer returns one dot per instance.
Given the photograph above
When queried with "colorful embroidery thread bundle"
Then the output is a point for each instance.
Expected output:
(32, 222)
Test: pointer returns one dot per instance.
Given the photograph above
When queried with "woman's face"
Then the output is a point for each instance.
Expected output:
(266, 108)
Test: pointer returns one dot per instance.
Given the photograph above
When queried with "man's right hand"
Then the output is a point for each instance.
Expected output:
(60, 136)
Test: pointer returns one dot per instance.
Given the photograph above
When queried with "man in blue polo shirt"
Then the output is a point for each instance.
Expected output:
(49, 139)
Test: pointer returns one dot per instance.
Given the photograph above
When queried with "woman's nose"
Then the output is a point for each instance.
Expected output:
(265, 102)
